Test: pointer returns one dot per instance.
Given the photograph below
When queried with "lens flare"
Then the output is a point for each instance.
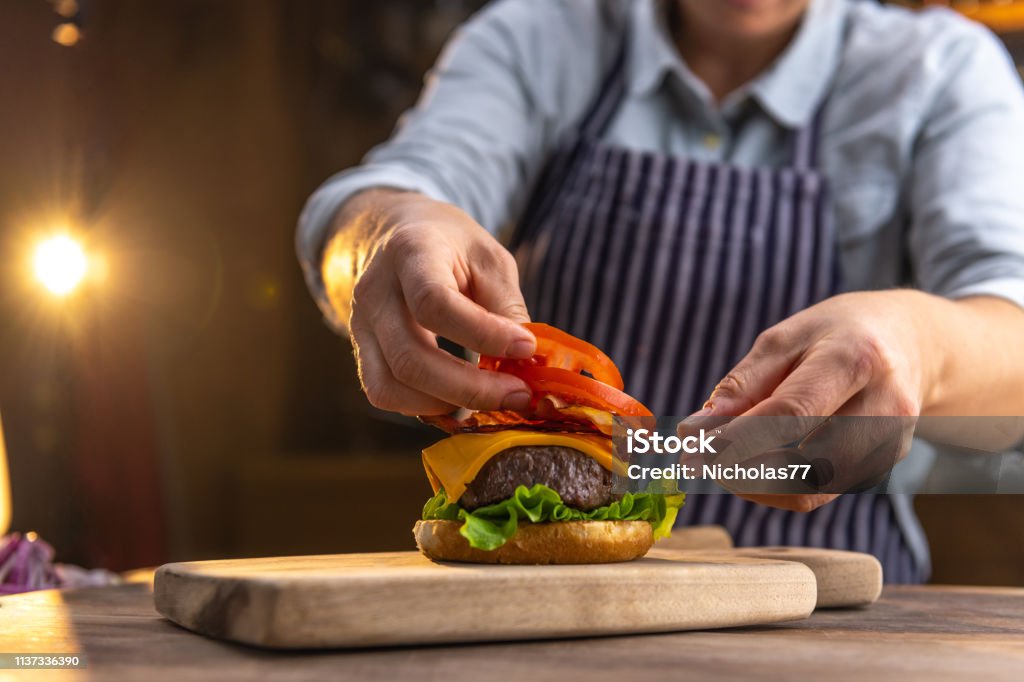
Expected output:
(60, 264)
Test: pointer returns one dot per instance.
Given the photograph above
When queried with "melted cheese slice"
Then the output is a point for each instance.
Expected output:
(455, 461)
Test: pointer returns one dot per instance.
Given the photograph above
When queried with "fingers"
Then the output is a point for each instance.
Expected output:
(415, 361)
(382, 389)
(816, 389)
(436, 303)
(757, 375)
(822, 383)
(799, 400)
(420, 284)
(861, 451)
(797, 503)
(496, 284)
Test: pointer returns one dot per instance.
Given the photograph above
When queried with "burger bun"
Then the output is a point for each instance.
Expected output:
(561, 542)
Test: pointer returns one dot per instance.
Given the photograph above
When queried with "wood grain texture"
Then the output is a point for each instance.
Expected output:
(398, 598)
(697, 537)
(845, 579)
(930, 634)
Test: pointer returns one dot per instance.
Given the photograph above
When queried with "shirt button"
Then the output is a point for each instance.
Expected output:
(712, 141)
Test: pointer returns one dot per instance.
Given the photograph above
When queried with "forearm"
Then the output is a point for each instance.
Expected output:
(979, 342)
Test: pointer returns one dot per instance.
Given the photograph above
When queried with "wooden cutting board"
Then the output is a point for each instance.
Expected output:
(845, 579)
(398, 598)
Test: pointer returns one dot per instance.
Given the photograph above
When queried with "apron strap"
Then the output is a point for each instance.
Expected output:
(609, 96)
(589, 128)
(806, 141)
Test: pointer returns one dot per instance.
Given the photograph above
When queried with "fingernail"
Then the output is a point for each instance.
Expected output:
(696, 416)
(517, 402)
(520, 349)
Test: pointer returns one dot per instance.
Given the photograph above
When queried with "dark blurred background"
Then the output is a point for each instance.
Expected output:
(188, 401)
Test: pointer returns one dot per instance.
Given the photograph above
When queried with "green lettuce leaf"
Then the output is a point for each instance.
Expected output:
(490, 527)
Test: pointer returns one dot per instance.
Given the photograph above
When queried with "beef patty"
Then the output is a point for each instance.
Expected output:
(582, 482)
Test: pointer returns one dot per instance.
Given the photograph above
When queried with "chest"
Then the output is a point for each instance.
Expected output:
(864, 154)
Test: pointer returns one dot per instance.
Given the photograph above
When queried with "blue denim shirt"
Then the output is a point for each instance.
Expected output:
(923, 131)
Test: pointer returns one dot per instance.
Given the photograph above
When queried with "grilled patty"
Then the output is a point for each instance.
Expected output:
(582, 482)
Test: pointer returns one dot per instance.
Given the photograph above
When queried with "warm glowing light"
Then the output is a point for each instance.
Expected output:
(67, 35)
(66, 8)
(60, 264)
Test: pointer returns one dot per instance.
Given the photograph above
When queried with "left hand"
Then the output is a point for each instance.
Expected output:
(857, 354)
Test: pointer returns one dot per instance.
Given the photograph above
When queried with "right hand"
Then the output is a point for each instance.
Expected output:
(433, 271)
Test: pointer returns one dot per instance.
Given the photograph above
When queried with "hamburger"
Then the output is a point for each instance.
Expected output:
(537, 487)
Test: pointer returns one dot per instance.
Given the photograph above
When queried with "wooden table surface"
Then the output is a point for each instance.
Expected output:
(912, 633)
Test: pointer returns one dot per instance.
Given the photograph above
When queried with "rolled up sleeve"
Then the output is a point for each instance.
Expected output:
(966, 233)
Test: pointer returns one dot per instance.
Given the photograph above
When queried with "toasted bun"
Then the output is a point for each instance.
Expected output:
(563, 542)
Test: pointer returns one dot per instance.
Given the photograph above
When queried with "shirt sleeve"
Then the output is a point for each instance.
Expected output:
(500, 94)
(966, 233)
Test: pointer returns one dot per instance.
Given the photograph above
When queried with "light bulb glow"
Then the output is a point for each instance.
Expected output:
(60, 264)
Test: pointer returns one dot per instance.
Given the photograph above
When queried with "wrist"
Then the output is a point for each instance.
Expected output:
(367, 216)
(903, 324)
(360, 223)
(925, 346)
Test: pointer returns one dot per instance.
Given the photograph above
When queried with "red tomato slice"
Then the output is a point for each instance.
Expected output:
(558, 349)
(565, 351)
(577, 389)
(556, 369)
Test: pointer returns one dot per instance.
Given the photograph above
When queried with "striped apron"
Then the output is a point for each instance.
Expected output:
(673, 266)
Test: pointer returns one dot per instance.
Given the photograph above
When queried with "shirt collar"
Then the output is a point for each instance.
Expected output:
(790, 90)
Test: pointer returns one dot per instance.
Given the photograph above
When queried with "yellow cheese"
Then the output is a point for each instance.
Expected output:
(456, 460)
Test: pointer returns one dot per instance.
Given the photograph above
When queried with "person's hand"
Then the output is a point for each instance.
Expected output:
(432, 271)
(858, 354)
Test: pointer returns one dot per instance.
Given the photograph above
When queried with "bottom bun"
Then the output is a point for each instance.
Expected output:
(563, 542)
